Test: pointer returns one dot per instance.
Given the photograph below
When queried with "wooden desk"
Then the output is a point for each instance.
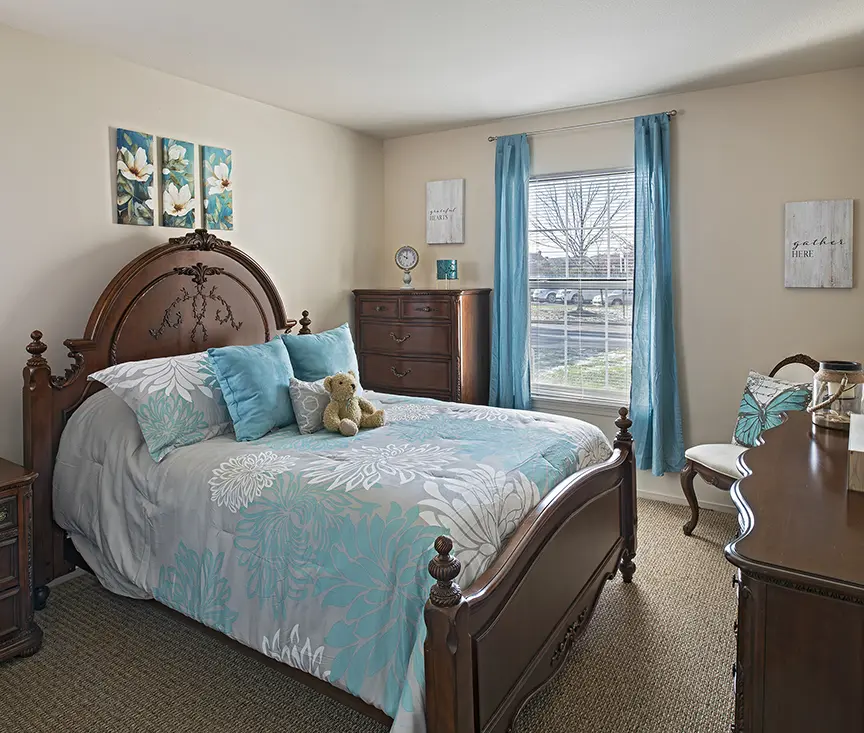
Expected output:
(800, 585)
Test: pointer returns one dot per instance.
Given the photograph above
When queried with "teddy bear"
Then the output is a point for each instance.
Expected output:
(347, 412)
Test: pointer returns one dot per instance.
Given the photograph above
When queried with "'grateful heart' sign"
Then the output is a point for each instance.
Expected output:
(445, 211)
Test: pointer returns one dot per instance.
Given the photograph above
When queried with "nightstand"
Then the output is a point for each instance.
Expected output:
(19, 635)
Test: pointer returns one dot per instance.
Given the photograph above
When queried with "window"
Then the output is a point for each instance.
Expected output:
(580, 271)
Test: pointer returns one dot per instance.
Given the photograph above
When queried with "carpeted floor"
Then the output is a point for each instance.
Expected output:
(655, 659)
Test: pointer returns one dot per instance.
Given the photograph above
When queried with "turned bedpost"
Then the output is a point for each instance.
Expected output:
(444, 567)
(38, 456)
(447, 650)
(629, 518)
(305, 321)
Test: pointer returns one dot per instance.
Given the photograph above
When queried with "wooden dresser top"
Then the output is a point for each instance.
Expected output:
(800, 524)
(12, 474)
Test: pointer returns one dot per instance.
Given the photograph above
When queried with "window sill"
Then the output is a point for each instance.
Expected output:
(576, 406)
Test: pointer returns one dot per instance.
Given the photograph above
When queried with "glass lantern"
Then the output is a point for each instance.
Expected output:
(447, 272)
(837, 394)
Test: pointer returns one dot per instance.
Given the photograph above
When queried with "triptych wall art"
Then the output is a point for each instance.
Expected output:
(177, 206)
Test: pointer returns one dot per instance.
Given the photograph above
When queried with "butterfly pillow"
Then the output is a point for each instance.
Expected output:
(763, 404)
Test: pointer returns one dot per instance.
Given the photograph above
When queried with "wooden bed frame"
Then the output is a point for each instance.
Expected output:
(490, 647)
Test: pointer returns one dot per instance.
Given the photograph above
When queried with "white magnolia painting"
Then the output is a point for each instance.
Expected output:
(445, 212)
(818, 249)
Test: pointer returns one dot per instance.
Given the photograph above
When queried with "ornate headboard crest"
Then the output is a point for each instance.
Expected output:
(194, 292)
(200, 240)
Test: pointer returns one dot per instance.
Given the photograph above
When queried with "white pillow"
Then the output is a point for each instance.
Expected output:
(176, 399)
(309, 399)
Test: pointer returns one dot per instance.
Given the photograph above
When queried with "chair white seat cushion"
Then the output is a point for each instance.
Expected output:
(720, 457)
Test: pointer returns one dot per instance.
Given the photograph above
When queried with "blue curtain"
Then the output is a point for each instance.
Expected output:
(509, 383)
(655, 409)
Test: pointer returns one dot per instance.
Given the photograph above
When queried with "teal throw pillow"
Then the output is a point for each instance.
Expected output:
(318, 355)
(176, 399)
(763, 404)
(254, 380)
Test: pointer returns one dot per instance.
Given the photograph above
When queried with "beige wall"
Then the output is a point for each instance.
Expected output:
(739, 153)
(308, 195)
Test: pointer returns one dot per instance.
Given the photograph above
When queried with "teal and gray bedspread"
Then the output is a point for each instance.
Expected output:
(313, 548)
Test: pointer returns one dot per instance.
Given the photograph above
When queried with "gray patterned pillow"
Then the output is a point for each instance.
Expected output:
(176, 400)
(309, 399)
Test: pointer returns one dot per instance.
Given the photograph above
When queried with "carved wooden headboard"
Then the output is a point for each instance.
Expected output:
(193, 293)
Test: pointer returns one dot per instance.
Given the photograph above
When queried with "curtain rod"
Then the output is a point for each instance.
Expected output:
(670, 113)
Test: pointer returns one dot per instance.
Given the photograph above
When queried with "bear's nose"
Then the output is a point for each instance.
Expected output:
(353, 387)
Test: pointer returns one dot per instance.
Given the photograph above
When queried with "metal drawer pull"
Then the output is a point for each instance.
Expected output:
(425, 309)
(398, 339)
(4, 514)
(400, 374)
(380, 308)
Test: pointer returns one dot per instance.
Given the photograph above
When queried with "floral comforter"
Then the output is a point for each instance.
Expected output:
(313, 548)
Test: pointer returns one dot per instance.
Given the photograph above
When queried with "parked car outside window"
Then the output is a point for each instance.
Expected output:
(572, 297)
(544, 295)
(614, 297)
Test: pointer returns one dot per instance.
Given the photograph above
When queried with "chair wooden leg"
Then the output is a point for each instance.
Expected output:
(688, 475)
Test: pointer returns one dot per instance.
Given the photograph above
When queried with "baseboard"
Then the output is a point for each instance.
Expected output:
(669, 499)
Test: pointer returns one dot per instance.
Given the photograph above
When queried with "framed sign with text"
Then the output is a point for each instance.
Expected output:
(445, 212)
(818, 247)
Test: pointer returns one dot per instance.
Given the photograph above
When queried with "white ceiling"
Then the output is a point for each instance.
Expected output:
(391, 67)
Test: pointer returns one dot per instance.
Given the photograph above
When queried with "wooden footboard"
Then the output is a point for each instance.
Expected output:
(489, 649)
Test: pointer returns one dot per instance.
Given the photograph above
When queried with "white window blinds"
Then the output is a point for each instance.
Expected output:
(580, 270)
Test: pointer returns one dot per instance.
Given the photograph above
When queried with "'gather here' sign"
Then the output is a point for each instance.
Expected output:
(818, 246)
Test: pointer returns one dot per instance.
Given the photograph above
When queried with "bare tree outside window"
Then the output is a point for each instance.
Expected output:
(581, 250)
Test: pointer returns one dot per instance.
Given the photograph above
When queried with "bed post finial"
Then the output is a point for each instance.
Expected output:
(304, 323)
(444, 568)
(36, 348)
(623, 424)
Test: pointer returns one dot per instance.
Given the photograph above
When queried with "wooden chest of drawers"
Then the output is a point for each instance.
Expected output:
(19, 635)
(426, 343)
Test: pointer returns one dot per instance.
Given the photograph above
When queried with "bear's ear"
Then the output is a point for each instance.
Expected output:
(327, 383)
(352, 373)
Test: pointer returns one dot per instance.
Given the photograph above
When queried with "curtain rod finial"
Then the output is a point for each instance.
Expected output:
(672, 112)
(492, 138)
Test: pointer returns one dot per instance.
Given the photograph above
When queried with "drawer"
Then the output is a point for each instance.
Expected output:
(10, 608)
(393, 372)
(417, 308)
(9, 512)
(8, 563)
(406, 338)
(378, 307)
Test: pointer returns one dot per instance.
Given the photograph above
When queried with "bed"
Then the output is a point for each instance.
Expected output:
(313, 549)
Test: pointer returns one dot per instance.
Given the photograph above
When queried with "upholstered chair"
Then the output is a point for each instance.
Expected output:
(717, 463)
